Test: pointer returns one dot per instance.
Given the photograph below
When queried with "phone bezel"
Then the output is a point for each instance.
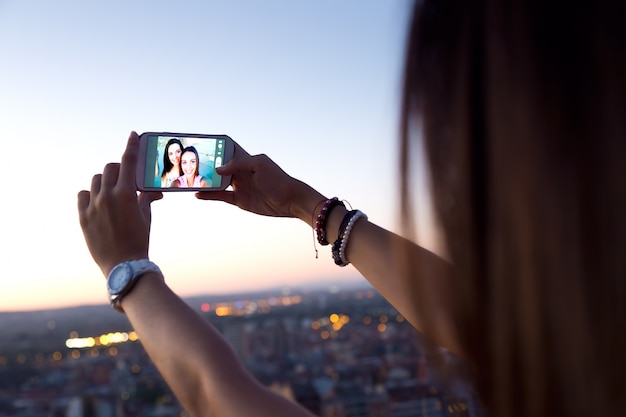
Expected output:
(229, 150)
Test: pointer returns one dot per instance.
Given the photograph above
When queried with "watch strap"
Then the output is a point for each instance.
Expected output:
(138, 268)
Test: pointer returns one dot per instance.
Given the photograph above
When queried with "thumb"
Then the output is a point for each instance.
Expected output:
(245, 164)
(227, 169)
(145, 199)
(226, 196)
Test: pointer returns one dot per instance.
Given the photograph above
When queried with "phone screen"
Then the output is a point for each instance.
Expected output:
(183, 161)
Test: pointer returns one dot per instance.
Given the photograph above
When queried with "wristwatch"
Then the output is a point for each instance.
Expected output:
(123, 278)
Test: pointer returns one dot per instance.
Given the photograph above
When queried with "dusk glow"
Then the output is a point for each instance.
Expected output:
(315, 86)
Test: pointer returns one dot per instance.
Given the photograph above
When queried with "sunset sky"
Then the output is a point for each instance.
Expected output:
(315, 85)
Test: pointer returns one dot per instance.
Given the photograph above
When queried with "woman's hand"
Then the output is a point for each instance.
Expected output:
(115, 222)
(260, 186)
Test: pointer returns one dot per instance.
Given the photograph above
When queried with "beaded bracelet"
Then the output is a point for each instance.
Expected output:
(322, 217)
(339, 246)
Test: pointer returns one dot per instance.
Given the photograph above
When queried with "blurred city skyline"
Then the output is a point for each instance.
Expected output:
(344, 352)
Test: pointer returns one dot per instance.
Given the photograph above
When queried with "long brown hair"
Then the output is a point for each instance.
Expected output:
(522, 106)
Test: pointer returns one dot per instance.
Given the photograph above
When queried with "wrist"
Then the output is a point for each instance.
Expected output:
(333, 222)
(321, 218)
(122, 279)
(305, 204)
(107, 267)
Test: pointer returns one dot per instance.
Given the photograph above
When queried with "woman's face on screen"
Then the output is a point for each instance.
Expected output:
(173, 153)
(188, 163)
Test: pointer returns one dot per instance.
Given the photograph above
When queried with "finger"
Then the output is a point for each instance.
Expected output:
(110, 174)
(226, 196)
(239, 152)
(83, 202)
(128, 170)
(246, 164)
(96, 182)
(145, 199)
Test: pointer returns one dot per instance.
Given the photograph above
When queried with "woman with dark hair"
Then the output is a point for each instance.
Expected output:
(521, 108)
(171, 162)
(189, 165)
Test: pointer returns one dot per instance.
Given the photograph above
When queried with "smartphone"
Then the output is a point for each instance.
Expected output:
(182, 161)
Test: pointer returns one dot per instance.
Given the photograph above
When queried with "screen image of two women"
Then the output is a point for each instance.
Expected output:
(181, 166)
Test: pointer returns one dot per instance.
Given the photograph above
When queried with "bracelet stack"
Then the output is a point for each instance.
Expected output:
(322, 217)
(339, 246)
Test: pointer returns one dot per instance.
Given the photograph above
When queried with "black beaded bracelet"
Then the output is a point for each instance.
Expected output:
(339, 246)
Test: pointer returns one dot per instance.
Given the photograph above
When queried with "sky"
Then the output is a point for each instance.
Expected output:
(315, 85)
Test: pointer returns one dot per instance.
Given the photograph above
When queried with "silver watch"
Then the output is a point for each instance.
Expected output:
(124, 276)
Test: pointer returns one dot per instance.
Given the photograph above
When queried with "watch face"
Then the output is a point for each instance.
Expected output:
(118, 278)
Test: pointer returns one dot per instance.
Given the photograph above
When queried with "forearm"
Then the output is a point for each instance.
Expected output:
(397, 268)
(197, 363)
(400, 269)
(203, 371)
